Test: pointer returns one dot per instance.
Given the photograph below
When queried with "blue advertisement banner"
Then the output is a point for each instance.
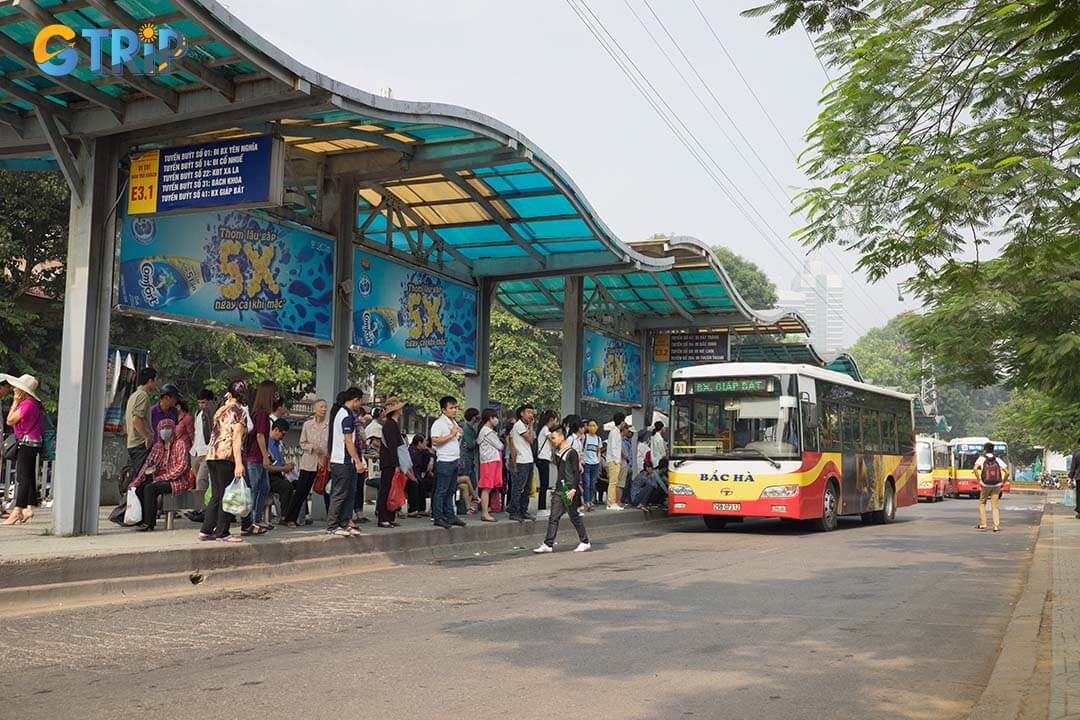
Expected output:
(230, 268)
(245, 172)
(406, 312)
(612, 369)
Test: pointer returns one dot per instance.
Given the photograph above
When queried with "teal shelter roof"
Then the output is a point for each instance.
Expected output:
(844, 362)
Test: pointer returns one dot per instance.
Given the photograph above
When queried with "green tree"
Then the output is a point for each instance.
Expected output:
(415, 385)
(952, 125)
(1031, 418)
(525, 364)
(752, 284)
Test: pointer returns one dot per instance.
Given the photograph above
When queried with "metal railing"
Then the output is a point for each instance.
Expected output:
(44, 481)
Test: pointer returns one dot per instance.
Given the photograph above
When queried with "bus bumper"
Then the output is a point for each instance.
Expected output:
(791, 507)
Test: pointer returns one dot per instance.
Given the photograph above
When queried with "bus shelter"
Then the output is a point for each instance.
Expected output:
(217, 181)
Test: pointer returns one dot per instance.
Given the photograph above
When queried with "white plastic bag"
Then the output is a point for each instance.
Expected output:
(1070, 498)
(133, 514)
(237, 498)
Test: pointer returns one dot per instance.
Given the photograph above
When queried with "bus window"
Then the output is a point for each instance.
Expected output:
(871, 431)
(849, 418)
(905, 432)
(888, 433)
(830, 427)
(924, 457)
(810, 434)
(941, 457)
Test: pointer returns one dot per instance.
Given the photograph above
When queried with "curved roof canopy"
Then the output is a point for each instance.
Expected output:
(435, 184)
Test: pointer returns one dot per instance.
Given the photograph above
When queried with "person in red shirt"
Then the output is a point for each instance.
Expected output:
(164, 472)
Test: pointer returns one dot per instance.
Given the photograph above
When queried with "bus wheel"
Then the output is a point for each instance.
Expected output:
(714, 523)
(830, 506)
(887, 513)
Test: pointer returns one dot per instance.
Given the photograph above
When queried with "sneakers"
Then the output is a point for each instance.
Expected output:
(527, 516)
(442, 524)
(614, 507)
(583, 547)
(544, 548)
(458, 522)
(515, 516)
(339, 532)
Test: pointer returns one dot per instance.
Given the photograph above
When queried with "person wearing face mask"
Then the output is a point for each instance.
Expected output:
(490, 450)
(164, 472)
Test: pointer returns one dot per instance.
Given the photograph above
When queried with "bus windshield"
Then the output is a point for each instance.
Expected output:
(925, 457)
(737, 417)
(967, 455)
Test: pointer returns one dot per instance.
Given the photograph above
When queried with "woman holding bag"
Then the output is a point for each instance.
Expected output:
(225, 461)
(313, 438)
(490, 449)
(388, 459)
(27, 419)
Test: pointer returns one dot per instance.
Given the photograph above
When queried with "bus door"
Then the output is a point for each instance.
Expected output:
(856, 492)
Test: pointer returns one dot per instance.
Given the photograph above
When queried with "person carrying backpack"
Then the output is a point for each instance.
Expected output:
(1074, 475)
(991, 472)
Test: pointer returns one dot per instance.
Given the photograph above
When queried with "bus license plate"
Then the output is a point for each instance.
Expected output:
(726, 506)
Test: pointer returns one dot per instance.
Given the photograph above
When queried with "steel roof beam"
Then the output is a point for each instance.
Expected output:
(671, 299)
(40, 103)
(13, 120)
(421, 224)
(64, 157)
(214, 80)
(340, 133)
(496, 216)
(43, 16)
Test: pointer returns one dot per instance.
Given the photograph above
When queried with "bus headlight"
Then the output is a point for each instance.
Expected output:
(678, 489)
(780, 491)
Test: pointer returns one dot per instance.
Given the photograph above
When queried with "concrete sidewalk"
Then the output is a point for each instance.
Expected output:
(1064, 534)
(39, 571)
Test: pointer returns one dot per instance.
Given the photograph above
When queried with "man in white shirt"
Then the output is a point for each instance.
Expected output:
(446, 439)
(658, 446)
(992, 473)
(521, 465)
(613, 459)
(345, 463)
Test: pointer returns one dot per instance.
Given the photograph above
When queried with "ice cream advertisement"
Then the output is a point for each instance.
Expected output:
(233, 268)
(612, 369)
(412, 314)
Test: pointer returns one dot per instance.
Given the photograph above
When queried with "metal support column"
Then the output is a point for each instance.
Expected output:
(337, 210)
(573, 325)
(478, 386)
(85, 344)
(643, 414)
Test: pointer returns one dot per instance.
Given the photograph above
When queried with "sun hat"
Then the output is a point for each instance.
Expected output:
(392, 404)
(27, 383)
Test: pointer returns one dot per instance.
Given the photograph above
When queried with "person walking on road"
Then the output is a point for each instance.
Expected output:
(490, 449)
(345, 463)
(521, 464)
(1074, 475)
(446, 438)
(140, 437)
(389, 460)
(313, 445)
(991, 472)
(27, 420)
(566, 495)
(225, 460)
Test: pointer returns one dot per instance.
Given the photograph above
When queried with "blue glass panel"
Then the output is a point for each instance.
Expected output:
(505, 251)
(568, 247)
(548, 229)
(543, 206)
(512, 184)
(440, 132)
(513, 167)
(475, 234)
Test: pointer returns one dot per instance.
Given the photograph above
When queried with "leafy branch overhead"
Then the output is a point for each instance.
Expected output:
(949, 136)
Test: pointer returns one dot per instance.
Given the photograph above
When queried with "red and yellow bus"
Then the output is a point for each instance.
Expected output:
(965, 451)
(935, 468)
(777, 440)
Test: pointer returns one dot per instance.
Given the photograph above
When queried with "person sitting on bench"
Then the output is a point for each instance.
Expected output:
(164, 472)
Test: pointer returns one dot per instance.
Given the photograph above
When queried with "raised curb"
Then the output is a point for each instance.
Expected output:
(54, 583)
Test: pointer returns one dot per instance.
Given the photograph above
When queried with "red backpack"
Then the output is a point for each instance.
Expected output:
(991, 471)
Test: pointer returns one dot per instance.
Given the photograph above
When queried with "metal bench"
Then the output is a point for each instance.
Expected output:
(171, 504)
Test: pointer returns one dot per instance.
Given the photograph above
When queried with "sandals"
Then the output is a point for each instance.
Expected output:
(484, 519)
(980, 527)
(386, 525)
(255, 530)
(230, 539)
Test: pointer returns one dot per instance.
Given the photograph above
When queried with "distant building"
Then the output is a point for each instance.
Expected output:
(819, 297)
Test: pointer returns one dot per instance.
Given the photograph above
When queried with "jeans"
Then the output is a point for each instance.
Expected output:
(518, 501)
(338, 514)
(442, 500)
(259, 482)
(588, 479)
(543, 468)
(558, 507)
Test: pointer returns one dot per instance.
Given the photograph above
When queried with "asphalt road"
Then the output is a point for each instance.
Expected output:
(763, 621)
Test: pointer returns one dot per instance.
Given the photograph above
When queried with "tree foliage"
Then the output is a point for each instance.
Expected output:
(954, 126)
(752, 284)
(1032, 419)
(525, 363)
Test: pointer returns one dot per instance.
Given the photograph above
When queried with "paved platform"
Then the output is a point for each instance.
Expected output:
(1064, 534)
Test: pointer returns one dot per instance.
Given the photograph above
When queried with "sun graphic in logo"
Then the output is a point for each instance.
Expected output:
(148, 33)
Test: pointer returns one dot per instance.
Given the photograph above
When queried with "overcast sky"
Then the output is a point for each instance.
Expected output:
(535, 65)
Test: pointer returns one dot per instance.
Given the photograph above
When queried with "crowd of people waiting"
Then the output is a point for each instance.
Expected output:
(478, 463)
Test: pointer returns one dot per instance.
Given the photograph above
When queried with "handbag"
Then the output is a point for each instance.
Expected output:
(133, 514)
(11, 447)
(117, 514)
(322, 477)
(396, 498)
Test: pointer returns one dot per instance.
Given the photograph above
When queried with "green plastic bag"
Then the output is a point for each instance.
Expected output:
(206, 496)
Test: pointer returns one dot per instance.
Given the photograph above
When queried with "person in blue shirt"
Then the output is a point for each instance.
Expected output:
(279, 484)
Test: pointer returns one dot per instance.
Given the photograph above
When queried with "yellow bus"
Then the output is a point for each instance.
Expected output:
(777, 440)
(935, 469)
(965, 451)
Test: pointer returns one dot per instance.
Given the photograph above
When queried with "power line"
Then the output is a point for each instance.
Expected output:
(625, 63)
